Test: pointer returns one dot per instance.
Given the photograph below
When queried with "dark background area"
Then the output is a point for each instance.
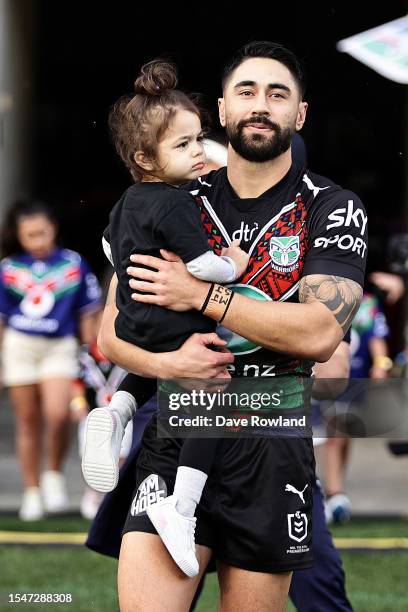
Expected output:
(88, 54)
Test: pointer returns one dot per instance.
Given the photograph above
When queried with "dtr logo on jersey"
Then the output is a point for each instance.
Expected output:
(236, 343)
(297, 526)
(150, 491)
(284, 252)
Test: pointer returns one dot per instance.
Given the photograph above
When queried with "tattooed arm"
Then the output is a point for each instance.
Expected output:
(311, 330)
(340, 295)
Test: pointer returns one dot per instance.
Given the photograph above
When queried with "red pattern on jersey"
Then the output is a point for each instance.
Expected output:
(260, 272)
(214, 237)
(273, 283)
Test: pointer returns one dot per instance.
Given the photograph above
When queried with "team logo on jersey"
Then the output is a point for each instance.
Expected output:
(284, 252)
(297, 526)
(38, 302)
(151, 490)
(236, 343)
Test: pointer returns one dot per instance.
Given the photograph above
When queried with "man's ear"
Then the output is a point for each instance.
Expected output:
(221, 111)
(143, 161)
(301, 116)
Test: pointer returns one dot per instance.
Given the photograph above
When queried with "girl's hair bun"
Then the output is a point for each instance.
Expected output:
(156, 77)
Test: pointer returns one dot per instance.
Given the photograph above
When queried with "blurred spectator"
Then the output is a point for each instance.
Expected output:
(391, 284)
(369, 359)
(47, 296)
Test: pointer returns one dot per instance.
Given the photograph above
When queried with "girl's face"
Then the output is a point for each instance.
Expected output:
(180, 154)
(36, 235)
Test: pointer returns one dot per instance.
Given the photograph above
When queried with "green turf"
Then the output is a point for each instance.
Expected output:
(357, 528)
(363, 528)
(376, 582)
(89, 577)
(52, 524)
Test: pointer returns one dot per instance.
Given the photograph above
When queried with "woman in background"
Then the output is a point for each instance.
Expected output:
(48, 297)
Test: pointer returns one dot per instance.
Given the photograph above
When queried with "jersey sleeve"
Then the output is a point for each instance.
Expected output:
(210, 267)
(89, 293)
(337, 236)
(180, 228)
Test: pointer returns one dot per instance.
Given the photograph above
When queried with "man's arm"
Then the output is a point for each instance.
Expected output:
(192, 360)
(331, 378)
(309, 330)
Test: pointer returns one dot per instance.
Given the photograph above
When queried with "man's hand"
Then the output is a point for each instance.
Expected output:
(194, 359)
(168, 284)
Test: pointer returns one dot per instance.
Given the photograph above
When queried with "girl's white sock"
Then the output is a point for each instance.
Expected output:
(188, 489)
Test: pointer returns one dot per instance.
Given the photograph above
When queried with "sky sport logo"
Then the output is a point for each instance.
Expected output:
(151, 490)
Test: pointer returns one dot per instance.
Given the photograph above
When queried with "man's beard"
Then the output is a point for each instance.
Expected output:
(259, 147)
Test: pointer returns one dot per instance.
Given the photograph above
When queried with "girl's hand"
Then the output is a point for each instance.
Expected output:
(238, 256)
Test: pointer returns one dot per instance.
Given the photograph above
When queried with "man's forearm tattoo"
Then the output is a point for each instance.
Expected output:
(342, 296)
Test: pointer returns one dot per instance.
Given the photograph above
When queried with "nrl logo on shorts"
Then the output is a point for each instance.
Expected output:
(151, 490)
(297, 526)
(284, 252)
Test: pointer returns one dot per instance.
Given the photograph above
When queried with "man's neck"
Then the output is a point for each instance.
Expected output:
(250, 179)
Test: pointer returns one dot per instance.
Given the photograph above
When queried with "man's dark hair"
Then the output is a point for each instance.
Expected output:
(270, 50)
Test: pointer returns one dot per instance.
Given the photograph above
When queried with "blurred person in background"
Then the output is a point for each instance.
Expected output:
(48, 297)
(369, 359)
(98, 380)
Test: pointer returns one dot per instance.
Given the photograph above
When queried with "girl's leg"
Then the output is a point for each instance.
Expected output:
(25, 400)
(56, 394)
(173, 517)
(55, 397)
(105, 429)
(195, 462)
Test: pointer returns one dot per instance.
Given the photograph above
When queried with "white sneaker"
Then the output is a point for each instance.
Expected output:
(90, 502)
(337, 509)
(177, 532)
(54, 491)
(103, 438)
(31, 508)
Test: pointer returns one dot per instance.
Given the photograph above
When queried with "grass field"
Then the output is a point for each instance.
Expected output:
(376, 581)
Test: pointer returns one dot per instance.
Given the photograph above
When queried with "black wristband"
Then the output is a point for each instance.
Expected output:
(207, 299)
(226, 308)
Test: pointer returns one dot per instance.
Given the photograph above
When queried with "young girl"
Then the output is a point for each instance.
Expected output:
(158, 135)
(48, 296)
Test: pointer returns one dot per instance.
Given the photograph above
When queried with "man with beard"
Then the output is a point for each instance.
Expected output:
(306, 238)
